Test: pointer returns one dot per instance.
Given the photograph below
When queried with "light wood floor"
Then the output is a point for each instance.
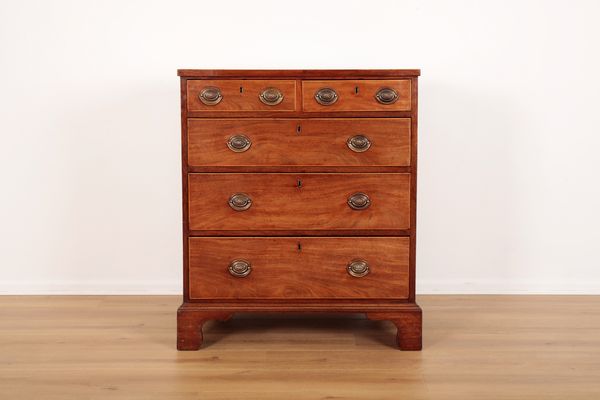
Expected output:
(475, 347)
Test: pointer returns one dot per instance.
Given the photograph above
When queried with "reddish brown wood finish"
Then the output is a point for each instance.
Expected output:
(413, 191)
(407, 317)
(299, 142)
(316, 202)
(247, 110)
(184, 185)
(299, 268)
(189, 326)
(356, 95)
(299, 114)
(298, 73)
(409, 325)
(298, 232)
(241, 95)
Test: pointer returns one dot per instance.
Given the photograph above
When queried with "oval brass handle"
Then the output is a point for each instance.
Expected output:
(271, 96)
(358, 268)
(238, 143)
(326, 96)
(211, 95)
(359, 143)
(386, 95)
(359, 201)
(240, 202)
(240, 268)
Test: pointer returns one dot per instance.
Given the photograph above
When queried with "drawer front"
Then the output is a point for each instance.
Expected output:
(298, 268)
(241, 95)
(356, 95)
(295, 142)
(309, 202)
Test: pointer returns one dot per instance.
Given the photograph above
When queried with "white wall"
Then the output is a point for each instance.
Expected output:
(509, 198)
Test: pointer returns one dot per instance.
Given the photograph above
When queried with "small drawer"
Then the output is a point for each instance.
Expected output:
(356, 95)
(299, 268)
(241, 95)
(339, 142)
(311, 202)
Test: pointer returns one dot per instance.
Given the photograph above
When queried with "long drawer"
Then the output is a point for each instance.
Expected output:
(298, 268)
(299, 142)
(311, 202)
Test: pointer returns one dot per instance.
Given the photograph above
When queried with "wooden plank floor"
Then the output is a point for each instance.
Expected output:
(475, 347)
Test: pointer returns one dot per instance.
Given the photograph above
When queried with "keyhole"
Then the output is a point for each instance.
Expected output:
(299, 246)
(299, 183)
(241, 89)
(298, 128)
(356, 90)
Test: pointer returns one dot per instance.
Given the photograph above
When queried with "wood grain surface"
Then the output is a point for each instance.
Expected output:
(299, 173)
(356, 95)
(241, 95)
(320, 203)
(298, 73)
(299, 142)
(299, 268)
(475, 347)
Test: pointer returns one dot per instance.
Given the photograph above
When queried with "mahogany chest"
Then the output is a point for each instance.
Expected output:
(299, 195)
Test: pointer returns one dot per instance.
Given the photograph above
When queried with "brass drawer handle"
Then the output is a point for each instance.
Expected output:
(326, 96)
(240, 202)
(386, 96)
(359, 201)
(238, 143)
(358, 268)
(359, 143)
(211, 95)
(240, 268)
(271, 96)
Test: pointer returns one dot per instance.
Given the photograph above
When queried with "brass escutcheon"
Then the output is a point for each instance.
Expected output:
(326, 96)
(359, 201)
(210, 95)
(386, 95)
(240, 202)
(238, 143)
(358, 268)
(240, 268)
(271, 96)
(359, 143)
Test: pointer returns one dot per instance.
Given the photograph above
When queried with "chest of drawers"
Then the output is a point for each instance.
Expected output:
(299, 195)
